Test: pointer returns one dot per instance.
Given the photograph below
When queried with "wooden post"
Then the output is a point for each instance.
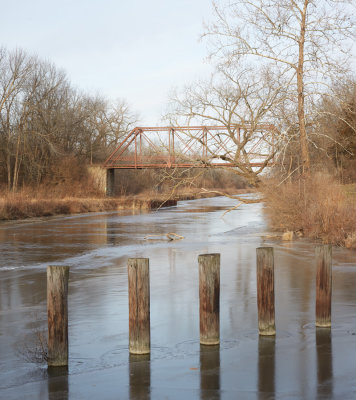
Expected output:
(139, 305)
(209, 298)
(265, 291)
(323, 256)
(57, 309)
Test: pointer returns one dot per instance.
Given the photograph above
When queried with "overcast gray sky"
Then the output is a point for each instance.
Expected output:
(132, 49)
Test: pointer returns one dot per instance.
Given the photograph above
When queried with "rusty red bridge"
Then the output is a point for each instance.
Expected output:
(194, 147)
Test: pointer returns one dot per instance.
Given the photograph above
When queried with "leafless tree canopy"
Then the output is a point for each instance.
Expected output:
(336, 128)
(43, 118)
(232, 97)
(308, 41)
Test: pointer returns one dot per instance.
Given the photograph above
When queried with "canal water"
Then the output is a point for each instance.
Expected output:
(300, 362)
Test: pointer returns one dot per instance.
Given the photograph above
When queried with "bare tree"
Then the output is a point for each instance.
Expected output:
(309, 40)
(235, 99)
(107, 123)
(336, 128)
(43, 119)
(16, 68)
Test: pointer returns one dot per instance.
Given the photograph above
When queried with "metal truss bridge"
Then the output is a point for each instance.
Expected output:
(194, 146)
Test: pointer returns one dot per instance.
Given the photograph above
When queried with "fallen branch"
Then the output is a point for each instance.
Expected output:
(234, 197)
(231, 209)
(170, 236)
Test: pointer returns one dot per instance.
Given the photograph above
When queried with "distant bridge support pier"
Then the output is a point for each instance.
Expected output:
(110, 181)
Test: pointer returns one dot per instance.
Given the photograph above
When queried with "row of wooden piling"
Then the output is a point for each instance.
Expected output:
(265, 288)
(209, 301)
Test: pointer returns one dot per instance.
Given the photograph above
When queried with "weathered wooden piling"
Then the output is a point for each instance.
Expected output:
(265, 291)
(57, 309)
(139, 305)
(323, 255)
(209, 298)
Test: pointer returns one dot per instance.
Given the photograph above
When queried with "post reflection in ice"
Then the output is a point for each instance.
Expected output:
(323, 340)
(210, 372)
(266, 366)
(58, 383)
(140, 376)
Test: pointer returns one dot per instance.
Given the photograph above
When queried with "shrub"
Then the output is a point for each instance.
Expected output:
(317, 206)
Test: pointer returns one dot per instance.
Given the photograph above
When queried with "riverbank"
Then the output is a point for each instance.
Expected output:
(15, 206)
(316, 207)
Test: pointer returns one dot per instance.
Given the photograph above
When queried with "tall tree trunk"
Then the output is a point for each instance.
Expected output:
(17, 165)
(300, 87)
(8, 166)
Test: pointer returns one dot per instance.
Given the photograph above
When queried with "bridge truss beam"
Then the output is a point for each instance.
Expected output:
(194, 146)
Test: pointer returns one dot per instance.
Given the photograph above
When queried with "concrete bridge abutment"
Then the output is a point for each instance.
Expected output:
(110, 182)
(103, 179)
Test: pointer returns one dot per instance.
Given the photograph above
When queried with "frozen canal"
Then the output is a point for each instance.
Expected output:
(300, 362)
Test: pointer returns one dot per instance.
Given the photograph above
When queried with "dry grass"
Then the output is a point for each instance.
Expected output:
(20, 208)
(25, 204)
(30, 203)
(350, 190)
(317, 206)
(52, 200)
